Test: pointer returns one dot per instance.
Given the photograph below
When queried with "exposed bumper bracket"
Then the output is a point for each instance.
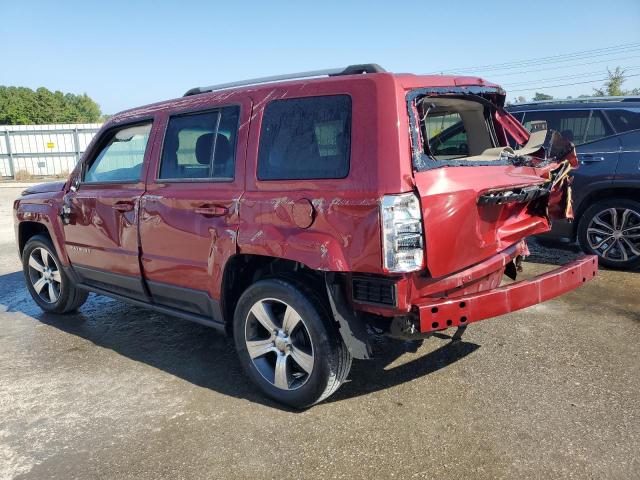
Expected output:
(460, 311)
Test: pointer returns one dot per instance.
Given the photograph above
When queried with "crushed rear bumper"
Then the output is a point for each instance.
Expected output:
(454, 312)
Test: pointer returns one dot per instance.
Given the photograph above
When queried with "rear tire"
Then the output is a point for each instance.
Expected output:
(610, 229)
(288, 343)
(47, 282)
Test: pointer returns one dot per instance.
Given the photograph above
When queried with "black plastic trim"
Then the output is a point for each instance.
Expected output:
(353, 330)
(125, 285)
(185, 299)
(220, 326)
(370, 283)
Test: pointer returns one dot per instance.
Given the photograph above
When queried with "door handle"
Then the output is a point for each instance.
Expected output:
(212, 210)
(123, 206)
(588, 157)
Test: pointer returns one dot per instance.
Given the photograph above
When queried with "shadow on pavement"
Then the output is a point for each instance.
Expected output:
(205, 358)
(554, 252)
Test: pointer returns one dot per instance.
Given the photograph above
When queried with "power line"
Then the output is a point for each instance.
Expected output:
(550, 59)
(540, 87)
(559, 60)
(563, 77)
(555, 67)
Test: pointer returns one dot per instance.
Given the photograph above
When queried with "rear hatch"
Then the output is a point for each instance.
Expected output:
(478, 195)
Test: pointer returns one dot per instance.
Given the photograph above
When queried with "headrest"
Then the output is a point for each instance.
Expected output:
(203, 148)
(204, 145)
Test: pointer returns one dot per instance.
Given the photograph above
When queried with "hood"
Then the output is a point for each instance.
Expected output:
(45, 188)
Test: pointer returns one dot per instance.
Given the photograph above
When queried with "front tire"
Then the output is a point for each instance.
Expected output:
(611, 230)
(48, 284)
(288, 343)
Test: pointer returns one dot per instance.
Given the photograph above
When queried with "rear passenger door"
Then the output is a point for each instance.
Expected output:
(626, 122)
(189, 214)
(598, 151)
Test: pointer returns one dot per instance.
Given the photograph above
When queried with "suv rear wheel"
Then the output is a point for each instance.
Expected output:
(288, 344)
(49, 286)
(611, 230)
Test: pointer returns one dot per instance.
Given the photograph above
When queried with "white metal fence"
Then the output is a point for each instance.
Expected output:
(42, 150)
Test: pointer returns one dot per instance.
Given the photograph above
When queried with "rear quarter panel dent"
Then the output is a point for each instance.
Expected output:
(344, 236)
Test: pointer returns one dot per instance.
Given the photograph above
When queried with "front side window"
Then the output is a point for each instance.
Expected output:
(305, 138)
(120, 160)
(624, 120)
(201, 145)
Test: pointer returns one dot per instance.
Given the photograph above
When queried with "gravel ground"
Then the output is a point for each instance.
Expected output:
(120, 392)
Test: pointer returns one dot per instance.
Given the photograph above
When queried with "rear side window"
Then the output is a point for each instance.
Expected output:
(120, 160)
(305, 138)
(577, 126)
(200, 145)
(624, 120)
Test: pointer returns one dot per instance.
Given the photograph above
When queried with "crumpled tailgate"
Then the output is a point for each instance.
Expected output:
(460, 231)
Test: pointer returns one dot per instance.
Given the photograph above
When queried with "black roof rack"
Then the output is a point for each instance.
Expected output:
(334, 72)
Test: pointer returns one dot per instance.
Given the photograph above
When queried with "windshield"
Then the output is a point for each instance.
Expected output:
(454, 128)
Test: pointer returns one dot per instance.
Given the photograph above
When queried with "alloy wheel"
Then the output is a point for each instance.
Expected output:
(279, 344)
(614, 234)
(44, 274)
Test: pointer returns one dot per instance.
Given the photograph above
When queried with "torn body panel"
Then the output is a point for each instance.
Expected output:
(478, 195)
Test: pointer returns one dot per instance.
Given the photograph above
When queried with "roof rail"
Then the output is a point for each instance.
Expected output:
(334, 72)
(627, 98)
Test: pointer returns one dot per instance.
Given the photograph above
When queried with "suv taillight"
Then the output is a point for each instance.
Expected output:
(402, 240)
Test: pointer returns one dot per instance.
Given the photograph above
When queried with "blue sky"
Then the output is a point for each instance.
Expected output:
(128, 53)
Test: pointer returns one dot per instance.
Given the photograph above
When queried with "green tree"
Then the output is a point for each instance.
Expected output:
(613, 85)
(23, 106)
(541, 96)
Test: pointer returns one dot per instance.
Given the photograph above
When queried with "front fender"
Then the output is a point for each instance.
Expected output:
(44, 210)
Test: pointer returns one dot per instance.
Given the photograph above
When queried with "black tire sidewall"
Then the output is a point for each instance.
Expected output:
(585, 220)
(59, 306)
(323, 339)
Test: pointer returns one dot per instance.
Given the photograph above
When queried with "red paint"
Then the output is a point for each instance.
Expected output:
(183, 233)
(509, 298)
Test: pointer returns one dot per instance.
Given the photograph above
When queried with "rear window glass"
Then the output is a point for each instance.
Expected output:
(305, 138)
(624, 120)
(454, 128)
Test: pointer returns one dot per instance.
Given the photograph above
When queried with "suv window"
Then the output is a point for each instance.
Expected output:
(454, 128)
(120, 160)
(305, 138)
(200, 145)
(577, 126)
(624, 120)
(447, 135)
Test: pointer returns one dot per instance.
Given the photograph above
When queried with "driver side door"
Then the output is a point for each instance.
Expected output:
(101, 233)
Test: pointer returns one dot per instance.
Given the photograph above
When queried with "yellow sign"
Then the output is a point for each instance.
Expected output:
(50, 145)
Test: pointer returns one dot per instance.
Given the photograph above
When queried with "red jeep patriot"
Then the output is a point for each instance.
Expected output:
(300, 213)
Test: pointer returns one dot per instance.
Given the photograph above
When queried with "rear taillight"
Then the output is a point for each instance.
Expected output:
(402, 239)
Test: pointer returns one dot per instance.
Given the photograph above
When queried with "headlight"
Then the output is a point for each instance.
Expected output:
(402, 240)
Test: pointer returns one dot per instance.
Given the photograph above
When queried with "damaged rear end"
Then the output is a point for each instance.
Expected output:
(482, 184)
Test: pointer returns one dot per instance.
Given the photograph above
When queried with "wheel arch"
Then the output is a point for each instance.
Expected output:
(241, 270)
(608, 193)
(28, 230)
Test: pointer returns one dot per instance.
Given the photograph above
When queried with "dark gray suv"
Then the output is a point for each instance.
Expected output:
(606, 187)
